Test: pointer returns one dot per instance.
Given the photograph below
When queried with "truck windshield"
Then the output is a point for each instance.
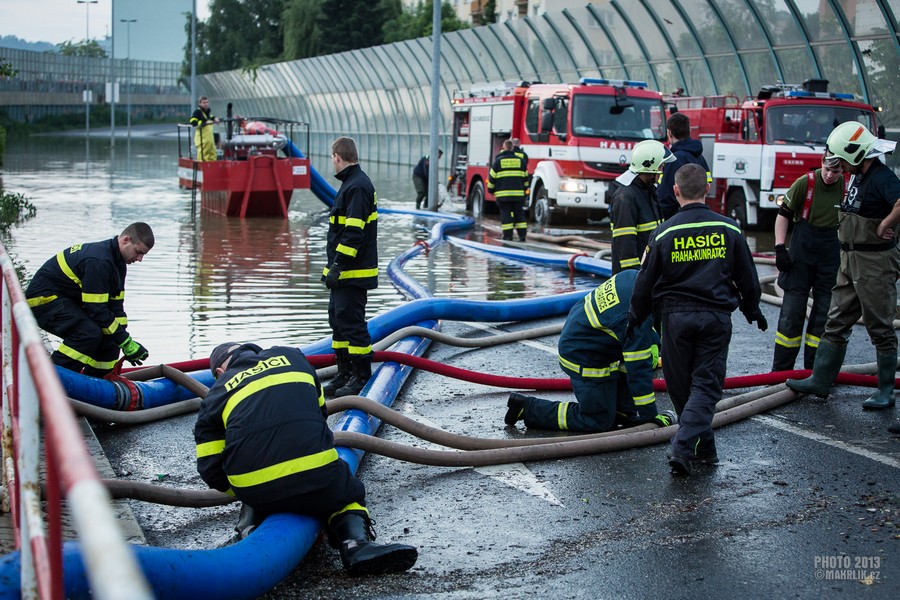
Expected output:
(592, 117)
(810, 123)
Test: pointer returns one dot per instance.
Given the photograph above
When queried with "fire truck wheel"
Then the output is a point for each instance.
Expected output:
(542, 214)
(736, 207)
(475, 203)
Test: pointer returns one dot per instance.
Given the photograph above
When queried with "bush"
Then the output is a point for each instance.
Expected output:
(15, 208)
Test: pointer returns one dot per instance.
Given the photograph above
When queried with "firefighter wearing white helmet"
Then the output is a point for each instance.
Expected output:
(866, 283)
(635, 213)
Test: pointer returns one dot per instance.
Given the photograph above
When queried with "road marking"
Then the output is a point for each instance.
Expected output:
(516, 475)
(530, 343)
(778, 424)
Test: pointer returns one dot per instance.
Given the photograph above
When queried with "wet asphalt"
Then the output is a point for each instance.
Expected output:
(804, 503)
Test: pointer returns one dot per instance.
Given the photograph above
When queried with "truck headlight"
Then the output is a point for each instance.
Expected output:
(573, 186)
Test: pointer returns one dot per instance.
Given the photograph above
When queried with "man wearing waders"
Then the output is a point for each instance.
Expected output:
(612, 376)
(203, 120)
(811, 262)
(870, 264)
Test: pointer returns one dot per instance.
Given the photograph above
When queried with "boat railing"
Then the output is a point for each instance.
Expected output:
(32, 395)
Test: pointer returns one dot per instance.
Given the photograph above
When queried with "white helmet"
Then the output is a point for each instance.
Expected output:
(850, 141)
(647, 157)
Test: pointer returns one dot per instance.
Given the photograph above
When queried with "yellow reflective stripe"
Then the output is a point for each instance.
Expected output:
(637, 355)
(119, 296)
(568, 364)
(341, 219)
(507, 227)
(41, 300)
(210, 448)
(510, 174)
(629, 262)
(509, 193)
(61, 261)
(373, 216)
(783, 340)
(359, 273)
(359, 349)
(492, 173)
(649, 226)
(700, 225)
(812, 341)
(84, 358)
(352, 222)
(522, 225)
(599, 372)
(645, 399)
(346, 250)
(111, 328)
(561, 412)
(284, 469)
(94, 298)
(619, 231)
(261, 384)
(708, 177)
(122, 321)
(348, 508)
(336, 345)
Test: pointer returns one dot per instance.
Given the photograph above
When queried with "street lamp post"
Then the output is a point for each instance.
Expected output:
(87, 91)
(128, 23)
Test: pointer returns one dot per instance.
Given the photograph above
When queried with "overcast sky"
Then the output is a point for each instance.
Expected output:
(158, 33)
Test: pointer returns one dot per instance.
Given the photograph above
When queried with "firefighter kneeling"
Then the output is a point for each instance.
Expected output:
(611, 373)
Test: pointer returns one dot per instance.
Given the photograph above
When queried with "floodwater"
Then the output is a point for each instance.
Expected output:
(212, 279)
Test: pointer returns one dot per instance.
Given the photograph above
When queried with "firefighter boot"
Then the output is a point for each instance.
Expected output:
(887, 371)
(515, 408)
(352, 534)
(829, 359)
(343, 375)
(362, 372)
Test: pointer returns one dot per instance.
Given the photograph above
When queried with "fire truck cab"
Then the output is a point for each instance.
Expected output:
(758, 147)
(578, 138)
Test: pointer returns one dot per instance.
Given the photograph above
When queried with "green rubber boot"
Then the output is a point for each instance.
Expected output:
(887, 372)
(829, 359)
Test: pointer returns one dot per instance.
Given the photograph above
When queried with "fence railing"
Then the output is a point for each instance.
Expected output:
(32, 395)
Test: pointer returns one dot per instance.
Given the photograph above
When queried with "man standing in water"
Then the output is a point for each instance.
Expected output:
(203, 121)
(352, 269)
(79, 295)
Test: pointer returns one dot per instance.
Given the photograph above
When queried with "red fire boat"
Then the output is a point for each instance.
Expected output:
(260, 168)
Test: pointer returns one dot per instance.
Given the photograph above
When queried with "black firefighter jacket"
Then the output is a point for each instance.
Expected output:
(353, 230)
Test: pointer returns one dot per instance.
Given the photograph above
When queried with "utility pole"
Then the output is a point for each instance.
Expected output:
(112, 79)
(434, 145)
(87, 91)
(128, 23)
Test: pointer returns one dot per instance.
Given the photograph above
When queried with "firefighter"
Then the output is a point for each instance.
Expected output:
(612, 377)
(352, 269)
(203, 120)
(634, 213)
(79, 295)
(811, 263)
(508, 181)
(686, 151)
(262, 436)
(420, 178)
(698, 270)
(866, 283)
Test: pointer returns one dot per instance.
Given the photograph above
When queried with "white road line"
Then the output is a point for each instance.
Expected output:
(530, 343)
(778, 424)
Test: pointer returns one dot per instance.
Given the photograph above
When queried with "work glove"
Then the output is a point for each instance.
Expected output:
(334, 274)
(759, 318)
(782, 259)
(134, 352)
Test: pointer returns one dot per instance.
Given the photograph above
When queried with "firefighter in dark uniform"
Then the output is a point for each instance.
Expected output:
(634, 213)
(203, 121)
(79, 295)
(262, 436)
(811, 263)
(508, 181)
(352, 269)
(612, 377)
(686, 151)
(698, 270)
(866, 283)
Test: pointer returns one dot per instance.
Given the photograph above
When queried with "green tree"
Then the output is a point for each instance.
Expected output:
(238, 34)
(416, 22)
(349, 25)
(6, 69)
(302, 36)
(488, 13)
(89, 49)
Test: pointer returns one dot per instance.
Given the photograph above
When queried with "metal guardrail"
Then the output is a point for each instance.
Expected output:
(32, 394)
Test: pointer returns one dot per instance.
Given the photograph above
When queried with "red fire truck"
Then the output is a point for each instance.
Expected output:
(758, 147)
(578, 138)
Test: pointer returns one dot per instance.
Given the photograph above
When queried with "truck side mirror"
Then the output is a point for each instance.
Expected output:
(547, 122)
(548, 104)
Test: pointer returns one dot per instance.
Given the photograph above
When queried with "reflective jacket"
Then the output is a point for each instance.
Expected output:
(202, 117)
(92, 275)
(633, 217)
(353, 230)
(261, 431)
(508, 177)
(698, 261)
(593, 344)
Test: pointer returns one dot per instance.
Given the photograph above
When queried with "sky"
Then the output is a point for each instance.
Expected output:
(158, 33)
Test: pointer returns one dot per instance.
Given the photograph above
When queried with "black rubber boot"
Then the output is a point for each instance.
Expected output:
(515, 408)
(343, 375)
(362, 372)
(352, 534)
(887, 373)
(829, 359)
